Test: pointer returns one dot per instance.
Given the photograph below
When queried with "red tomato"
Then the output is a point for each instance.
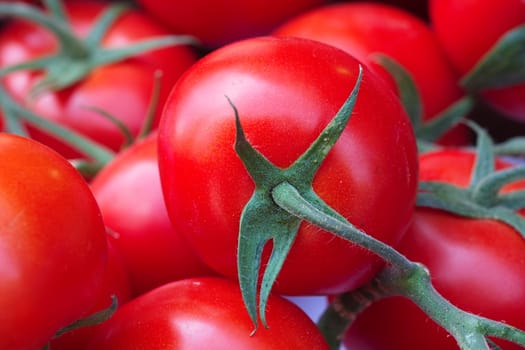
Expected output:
(217, 23)
(116, 284)
(204, 313)
(467, 29)
(364, 29)
(129, 194)
(52, 244)
(286, 91)
(418, 7)
(122, 89)
(476, 264)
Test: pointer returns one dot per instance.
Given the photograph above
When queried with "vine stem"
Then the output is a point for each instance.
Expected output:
(402, 276)
(288, 198)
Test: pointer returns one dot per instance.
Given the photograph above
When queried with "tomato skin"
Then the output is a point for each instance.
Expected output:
(203, 313)
(455, 250)
(122, 89)
(364, 29)
(52, 244)
(468, 29)
(129, 194)
(217, 23)
(286, 91)
(116, 284)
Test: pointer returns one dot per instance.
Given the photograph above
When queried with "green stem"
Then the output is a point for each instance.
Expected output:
(403, 277)
(152, 106)
(67, 39)
(469, 330)
(96, 152)
(56, 8)
(343, 310)
(487, 190)
(288, 198)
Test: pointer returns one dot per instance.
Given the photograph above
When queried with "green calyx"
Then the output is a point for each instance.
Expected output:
(263, 220)
(13, 112)
(482, 198)
(501, 66)
(77, 57)
(427, 132)
(93, 319)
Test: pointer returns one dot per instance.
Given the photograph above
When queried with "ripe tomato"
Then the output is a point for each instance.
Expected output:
(468, 29)
(217, 23)
(417, 7)
(129, 194)
(364, 29)
(286, 91)
(204, 313)
(52, 244)
(476, 264)
(122, 89)
(116, 284)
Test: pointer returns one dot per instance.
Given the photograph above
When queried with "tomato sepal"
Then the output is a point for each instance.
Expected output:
(78, 57)
(427, 132)
(501, 66)
(91, 320)
(406, 87)
(482, 198)
(15, 113)
(263, 220)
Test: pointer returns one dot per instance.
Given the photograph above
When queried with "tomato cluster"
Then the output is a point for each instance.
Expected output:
(171, 171)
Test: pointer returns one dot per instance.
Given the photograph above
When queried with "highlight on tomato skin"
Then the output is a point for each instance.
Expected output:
(200, 313)
(52, 244)
(206, 186)
(129, 194)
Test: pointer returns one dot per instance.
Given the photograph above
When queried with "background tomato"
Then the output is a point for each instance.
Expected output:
(204, 313)
(129, 194)
(468, 29)
(477, 264)
(52, 244)
(116, 284)
(365, 29)
(286, 91)
(217, 23)
(121, 89)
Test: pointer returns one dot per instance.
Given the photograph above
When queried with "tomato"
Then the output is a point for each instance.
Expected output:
(204, 313)
(116, 284)
(468, 29)
(129, 194)
(364, 29)
(122, 89)
(217, 23)
(52, 244)
(286, 91)
(477, 264)
(418, 7)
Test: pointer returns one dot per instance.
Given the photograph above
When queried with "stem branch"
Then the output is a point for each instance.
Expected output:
(400, 277)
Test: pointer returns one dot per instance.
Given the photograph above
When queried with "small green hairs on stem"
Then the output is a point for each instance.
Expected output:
(285, 197)
(262, 220)
(480, 199)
